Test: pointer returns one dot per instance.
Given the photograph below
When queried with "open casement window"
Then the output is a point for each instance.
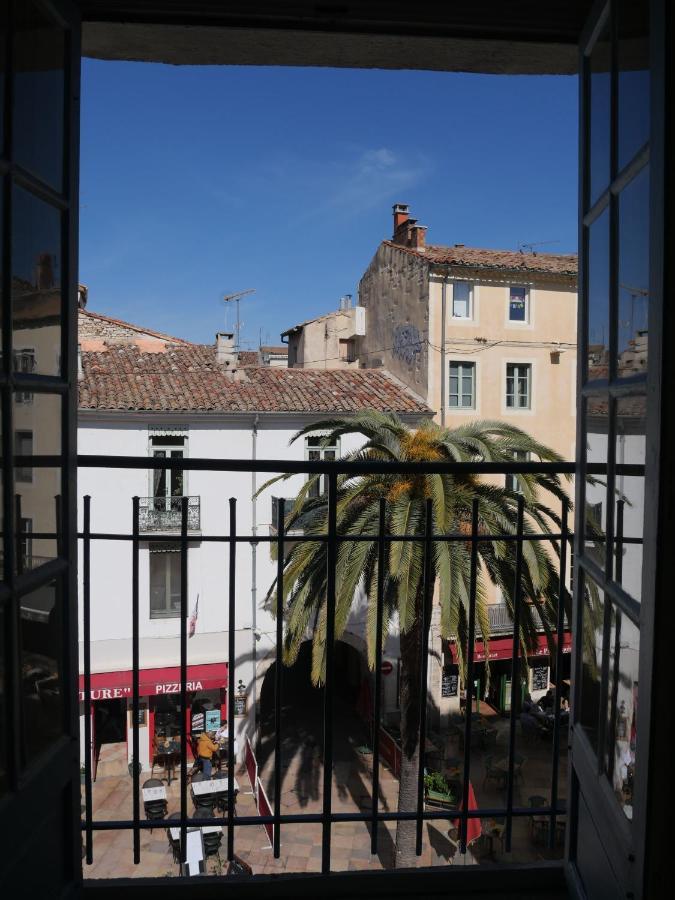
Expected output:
(314, 451)
(462, 392)
(164, 580)
(461, 300)
(168, 485)
(614, 605)
(519, 303)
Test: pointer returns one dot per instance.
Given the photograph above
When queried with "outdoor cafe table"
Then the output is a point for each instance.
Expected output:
(214, 786)
(205, 829)
(154, 793)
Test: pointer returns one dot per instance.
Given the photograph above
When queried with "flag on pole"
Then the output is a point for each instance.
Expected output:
(192, 624)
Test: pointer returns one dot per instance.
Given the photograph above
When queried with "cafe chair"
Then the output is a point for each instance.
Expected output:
(237, 866)
(155, 810)
(152, 783)
(492, 773)
(212, 841)
(173, 844)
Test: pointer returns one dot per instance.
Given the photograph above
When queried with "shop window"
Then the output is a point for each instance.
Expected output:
(164, 581)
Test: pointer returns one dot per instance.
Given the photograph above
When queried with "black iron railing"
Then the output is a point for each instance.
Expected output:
(232, 539)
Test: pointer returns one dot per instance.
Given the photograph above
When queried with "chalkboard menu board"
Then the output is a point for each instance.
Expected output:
(240, 706)
(539, 678)
(449, 682)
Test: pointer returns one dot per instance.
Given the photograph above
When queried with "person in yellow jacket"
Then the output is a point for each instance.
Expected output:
(206, 747)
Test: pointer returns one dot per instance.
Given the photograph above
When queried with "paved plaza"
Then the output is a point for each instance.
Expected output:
(301, 788)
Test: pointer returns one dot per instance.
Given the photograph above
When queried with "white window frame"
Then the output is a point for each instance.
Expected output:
(167, 448)
(511, 481)
(168, 553)
(468, 317)
(25, 362)
(461, 363)
(334, 448)
(519, 323)
(515, 407)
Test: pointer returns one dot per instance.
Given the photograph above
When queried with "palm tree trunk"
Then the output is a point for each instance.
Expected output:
(411, 666)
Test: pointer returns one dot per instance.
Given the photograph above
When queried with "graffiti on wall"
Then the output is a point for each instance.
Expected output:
(407, 343)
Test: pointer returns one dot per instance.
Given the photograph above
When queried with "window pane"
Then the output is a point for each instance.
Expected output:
(40, 623)
(597, 432)
(633, 77)
(588, 714)
(4, 736)
(42, 418)
(36, 280)
(630, 493)
(622, 699)
(37, 500)
(461, 300)
(517, 304)
(598, 125)
(598, 298)
(38, 108)
(633, 276)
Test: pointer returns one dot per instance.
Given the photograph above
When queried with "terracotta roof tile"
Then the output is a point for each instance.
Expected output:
(505, 260)
(187, 377)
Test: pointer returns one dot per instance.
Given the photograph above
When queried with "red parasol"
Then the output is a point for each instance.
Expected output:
(473, 825)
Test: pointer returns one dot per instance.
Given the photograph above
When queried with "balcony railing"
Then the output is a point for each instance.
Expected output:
(374, 814)
(501, 621)
(164, 514)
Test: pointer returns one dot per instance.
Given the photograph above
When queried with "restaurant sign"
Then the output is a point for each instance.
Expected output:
(118, 685)
(502, 648)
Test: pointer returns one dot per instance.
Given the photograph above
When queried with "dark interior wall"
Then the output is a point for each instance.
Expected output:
(484, 36)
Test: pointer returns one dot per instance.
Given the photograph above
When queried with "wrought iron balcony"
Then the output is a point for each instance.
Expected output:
(164, 514)
(502, 623)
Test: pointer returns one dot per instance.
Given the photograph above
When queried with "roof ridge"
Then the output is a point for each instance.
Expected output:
(140, 328)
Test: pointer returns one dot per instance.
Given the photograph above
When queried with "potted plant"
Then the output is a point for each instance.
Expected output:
(437, 790)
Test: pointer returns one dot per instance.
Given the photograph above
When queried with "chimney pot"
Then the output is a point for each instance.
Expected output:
(401, 215)
(225, 352)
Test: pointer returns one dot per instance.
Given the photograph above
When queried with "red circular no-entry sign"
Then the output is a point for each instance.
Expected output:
(386, 668)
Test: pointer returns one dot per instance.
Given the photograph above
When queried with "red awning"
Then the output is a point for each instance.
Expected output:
(111, 685)
(501, 648)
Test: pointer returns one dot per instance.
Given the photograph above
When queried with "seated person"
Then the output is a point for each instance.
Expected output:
(548, 700)
(206, 747)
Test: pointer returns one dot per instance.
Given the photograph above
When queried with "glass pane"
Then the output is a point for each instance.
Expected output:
(633, 77)
(588, 714)
(36, 281)
(599, 112)
(38, 108)
(517, 304)
(630, 493)
(622, 698)
(598, 298)
(633, 276)
(4, 736)
(461, 300)
(37, 432)
(3, 63)
(597, 436)
(40, 613)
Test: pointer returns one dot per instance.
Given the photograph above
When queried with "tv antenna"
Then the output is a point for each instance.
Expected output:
(235, 298)
(523, 246)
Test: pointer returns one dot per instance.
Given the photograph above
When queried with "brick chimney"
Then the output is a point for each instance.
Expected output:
(407, 233)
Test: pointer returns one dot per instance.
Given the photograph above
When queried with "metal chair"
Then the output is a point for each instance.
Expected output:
(492, 773)
(152, 783)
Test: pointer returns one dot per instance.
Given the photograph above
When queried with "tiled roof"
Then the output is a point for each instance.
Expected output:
(505, 260)
(189, 378)
(249, 358)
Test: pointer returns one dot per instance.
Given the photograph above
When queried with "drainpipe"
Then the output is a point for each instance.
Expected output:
(254, 565)
(443, 378)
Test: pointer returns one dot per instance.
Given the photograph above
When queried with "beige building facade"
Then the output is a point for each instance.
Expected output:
(327, 342)
(477, 333)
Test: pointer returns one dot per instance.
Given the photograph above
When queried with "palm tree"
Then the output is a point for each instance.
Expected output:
(406, 496)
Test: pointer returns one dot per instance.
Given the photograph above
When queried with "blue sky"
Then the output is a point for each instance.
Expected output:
(197, 182)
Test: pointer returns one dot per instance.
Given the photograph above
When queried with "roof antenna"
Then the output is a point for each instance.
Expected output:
(229, 298)
(524, 246)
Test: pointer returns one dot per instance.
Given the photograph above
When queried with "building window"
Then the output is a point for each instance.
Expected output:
(26, 529)
(167, 483)
(314, 451)
(347, 350)
(519, 301)
(164, 581)
(511, 481)
(24, 362)
(462, 393)
(518, 385)
(23, 446)
(461, 300)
